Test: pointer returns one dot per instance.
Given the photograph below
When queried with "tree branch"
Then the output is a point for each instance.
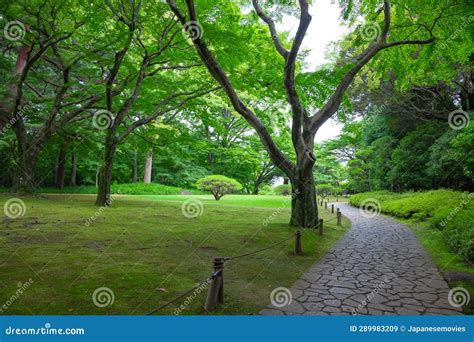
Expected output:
(220, 76)
(331, 106)
(271, 25)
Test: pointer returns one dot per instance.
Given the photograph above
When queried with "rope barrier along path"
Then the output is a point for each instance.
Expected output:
(258, 251)
(206, 281)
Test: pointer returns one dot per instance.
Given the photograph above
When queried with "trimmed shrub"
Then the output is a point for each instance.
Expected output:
(218, 185)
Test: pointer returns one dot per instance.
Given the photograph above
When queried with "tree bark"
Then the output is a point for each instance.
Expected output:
(134, 168)
(73, 180)
(105, 176)
(255, 188)
(60, 171)
(304, 209)
(24, 180)
(148, 167)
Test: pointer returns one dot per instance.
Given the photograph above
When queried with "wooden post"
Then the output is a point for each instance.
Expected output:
(332, 208)
(326, 205)
(298, 243)
(338, 217)
(320, 227)
(215, 294)
(219, 267)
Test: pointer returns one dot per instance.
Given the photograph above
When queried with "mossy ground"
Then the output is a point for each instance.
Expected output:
(147, 252)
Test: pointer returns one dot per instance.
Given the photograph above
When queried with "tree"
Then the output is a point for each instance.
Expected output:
(43, 93)
(304, 124)
(218, 185)
(147, 52)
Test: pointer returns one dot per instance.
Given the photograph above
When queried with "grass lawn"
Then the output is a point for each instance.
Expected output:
(147, 252)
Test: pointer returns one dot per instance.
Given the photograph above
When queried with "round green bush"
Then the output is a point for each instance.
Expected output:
(218, 185)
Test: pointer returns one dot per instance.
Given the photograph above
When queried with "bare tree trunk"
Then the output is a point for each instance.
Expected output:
(24, 180)
(27, 156)
(60, 171)
(304, 210)
(105, 176)
(148, 167)
(256, 185)
(73, 181)
(134, 168)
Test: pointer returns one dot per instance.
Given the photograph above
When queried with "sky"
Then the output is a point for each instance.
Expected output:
(325, 28)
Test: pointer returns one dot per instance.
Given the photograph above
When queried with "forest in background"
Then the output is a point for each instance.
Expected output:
(407, 125)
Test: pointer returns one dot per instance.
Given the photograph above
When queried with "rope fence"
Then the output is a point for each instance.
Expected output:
(215, 282)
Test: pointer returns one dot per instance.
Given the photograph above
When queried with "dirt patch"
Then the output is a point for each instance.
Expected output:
(97, 246)
(37, 238)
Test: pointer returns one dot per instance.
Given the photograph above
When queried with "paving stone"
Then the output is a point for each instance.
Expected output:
(377, 268)
(341, 290)
(425, 297)
(333, 302)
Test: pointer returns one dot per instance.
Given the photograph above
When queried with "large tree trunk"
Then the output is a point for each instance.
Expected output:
(24, 180)
(105, 176)
(60, 172)
(256, 185)
(73, 169)
(134, 168)
(304, 210)
(148, 167)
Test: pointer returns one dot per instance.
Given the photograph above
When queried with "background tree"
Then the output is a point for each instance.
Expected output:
(306, 124)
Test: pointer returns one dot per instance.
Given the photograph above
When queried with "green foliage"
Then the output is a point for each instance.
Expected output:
(325, 190)
(450, 211)
(123, 189)
(282, 189)
(218, 185)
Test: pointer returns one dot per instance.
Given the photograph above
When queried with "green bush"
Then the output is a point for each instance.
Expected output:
(450, 211)
(282, 189)
(218, 185)
(266, 189)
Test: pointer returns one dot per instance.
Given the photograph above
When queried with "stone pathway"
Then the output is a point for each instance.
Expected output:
(377, 268)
